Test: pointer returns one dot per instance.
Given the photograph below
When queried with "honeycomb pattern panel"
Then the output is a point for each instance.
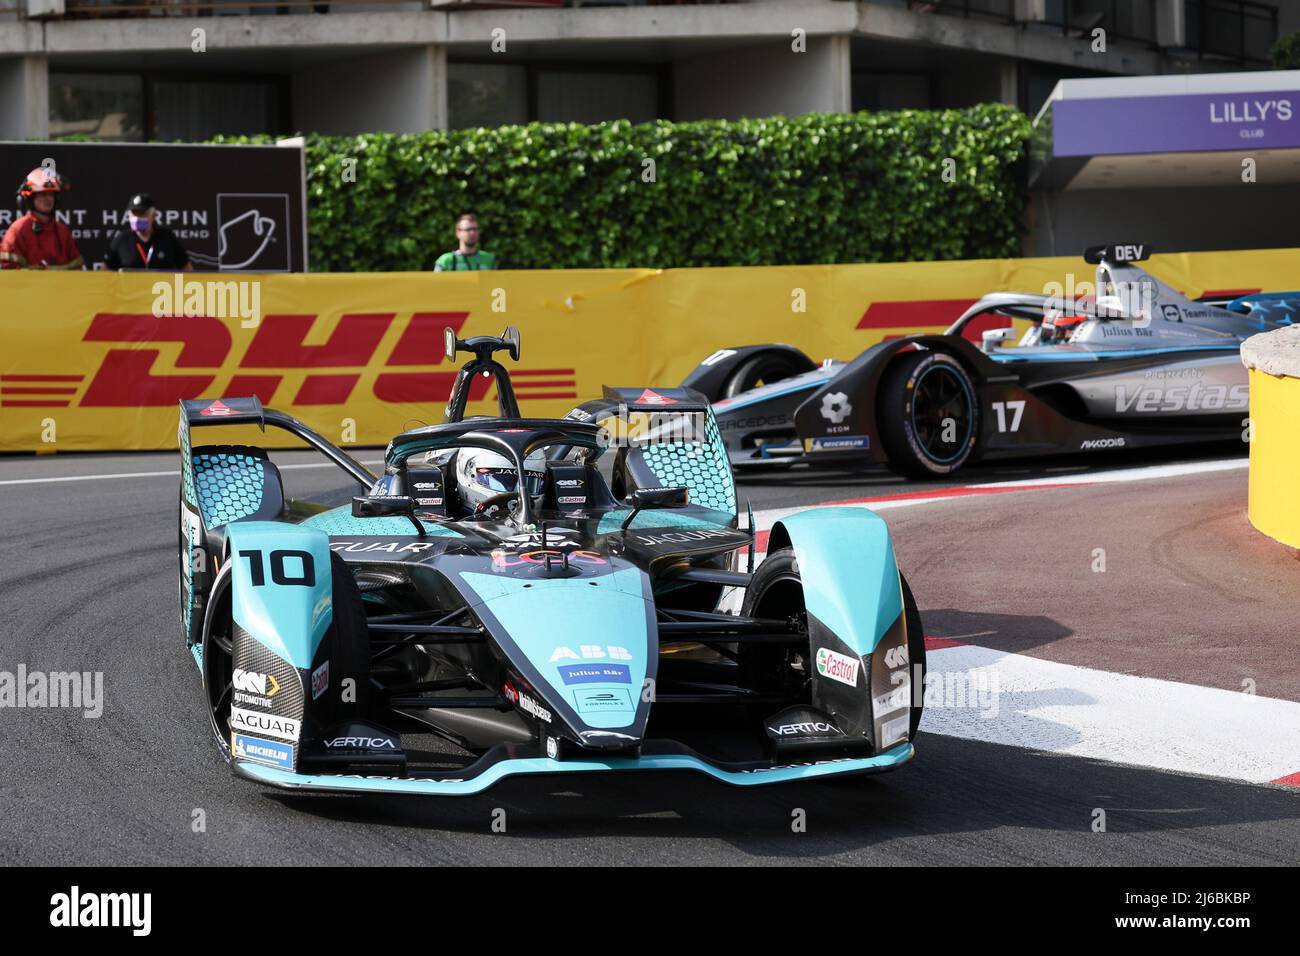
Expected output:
(229, 486)
(187, 492)
(340, 521)
(187, 465)
(701, 466)
(653, 518)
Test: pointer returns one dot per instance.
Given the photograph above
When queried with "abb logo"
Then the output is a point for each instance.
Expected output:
(126, 377)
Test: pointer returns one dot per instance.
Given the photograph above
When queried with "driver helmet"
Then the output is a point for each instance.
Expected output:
(482, 474)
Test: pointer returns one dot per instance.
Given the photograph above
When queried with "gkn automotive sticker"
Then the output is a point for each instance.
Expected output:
(251, 687)
(269, 725)
(838, 667)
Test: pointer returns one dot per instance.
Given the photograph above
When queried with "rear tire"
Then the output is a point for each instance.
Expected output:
(761, 369)
(928, 415)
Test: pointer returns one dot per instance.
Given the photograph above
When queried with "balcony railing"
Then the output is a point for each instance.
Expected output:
(112, 9)
(1131, 21)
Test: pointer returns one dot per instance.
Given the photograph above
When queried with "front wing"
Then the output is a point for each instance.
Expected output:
(509, 761)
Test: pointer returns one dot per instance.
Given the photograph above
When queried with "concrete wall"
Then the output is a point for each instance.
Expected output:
(764, 80)
(24, 98)
(398, 91)
(1171, 220)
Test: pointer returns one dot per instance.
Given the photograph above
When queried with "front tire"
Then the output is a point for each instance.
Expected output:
(915, 654)
(776, 591)
(928, 415)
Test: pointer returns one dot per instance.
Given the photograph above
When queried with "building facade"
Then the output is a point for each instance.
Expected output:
(168, 70)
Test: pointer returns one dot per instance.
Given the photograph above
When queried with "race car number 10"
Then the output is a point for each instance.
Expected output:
(279, 575)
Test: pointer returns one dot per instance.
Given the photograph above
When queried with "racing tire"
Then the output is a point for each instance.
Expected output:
(776, 591)
(350, 647)
(761, 369)
(915, 654)
(920, 393)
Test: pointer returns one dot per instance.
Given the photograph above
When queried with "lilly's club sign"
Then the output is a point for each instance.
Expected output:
(1176, 124)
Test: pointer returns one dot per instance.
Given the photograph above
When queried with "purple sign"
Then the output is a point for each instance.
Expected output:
(1176, 124)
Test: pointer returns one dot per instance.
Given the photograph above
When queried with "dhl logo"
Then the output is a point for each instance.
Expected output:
(414, 371)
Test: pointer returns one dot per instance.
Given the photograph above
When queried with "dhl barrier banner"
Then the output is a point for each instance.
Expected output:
(97, 361)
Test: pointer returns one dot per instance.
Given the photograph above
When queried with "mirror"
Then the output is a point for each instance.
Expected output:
(644, 498)
(512, 337)
(387, 506)
(382, 506)
(449, 343)
(659, 498)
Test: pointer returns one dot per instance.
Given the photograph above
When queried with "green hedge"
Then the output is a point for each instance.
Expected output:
(822, 188)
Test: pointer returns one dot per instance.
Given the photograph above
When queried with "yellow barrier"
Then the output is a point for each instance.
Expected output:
(88, 363)
(1274, 506)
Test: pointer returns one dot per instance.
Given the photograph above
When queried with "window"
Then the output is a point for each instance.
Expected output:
(1234, 29)
(194, 110)
(135, 107)
(592, 97)
(482, 94)
(100, 105)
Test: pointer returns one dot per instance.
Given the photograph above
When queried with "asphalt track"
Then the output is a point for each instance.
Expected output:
(1190, 594)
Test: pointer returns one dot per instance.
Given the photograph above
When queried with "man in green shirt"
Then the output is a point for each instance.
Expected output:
(468, 257)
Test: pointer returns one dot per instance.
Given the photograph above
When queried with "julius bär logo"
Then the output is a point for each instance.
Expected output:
(278, 365)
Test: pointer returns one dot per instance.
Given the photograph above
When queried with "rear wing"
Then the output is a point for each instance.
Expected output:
(1117, 253)
(666, 437)
(199, 413)
(223, 411)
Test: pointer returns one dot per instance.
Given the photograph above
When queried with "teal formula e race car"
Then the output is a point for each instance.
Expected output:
(534, 596)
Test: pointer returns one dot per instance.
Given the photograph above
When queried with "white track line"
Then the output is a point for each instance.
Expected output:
(1065, 709)
(767, 517)
(152, 474)
(1147, 473)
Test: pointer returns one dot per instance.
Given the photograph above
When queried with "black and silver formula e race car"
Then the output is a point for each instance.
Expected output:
(524, 596)
(1135, 365)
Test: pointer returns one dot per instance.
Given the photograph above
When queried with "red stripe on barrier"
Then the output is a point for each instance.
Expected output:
(957, 492)
(924, 312)
(522, 372)
(1290, 780)
(1227, 293)
(41, 378)
(38, 391)
(939, 643)
(29, 404)
(530, 395)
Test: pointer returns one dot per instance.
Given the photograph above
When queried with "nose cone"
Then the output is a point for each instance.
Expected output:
(588, 644)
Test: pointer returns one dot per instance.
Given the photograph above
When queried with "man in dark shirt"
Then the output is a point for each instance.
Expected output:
(145, 244)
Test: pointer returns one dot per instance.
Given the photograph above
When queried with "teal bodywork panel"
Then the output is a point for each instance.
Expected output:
(846, 565)
(281, 587)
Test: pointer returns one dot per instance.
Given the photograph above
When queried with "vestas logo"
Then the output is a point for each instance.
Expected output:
(415, 370)
(1196, 397)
